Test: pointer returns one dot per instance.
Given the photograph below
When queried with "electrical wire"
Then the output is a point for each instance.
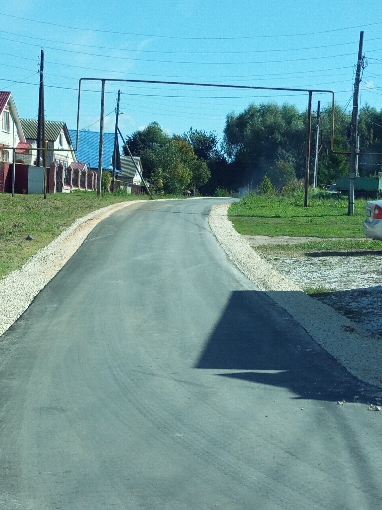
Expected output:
(187, 62)
(244, 37)
(201, 52)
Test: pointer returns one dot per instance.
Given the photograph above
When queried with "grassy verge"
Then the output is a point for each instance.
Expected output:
(326, 217)
(43, 220)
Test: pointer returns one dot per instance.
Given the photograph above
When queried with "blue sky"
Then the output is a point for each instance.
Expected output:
(293, 44)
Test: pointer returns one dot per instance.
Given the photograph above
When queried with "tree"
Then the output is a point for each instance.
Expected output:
(150, 137)
(205, 144)
(257, 138)
(265, 186)
(206, 148)
(370, 133)
(144, 142)
(177, 167)
(200, 174)
(281, 174)
(333, 164)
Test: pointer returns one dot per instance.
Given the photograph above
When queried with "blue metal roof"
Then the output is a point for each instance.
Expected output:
(88, 148)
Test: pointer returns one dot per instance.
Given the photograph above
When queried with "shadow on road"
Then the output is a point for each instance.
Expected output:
(267, 346)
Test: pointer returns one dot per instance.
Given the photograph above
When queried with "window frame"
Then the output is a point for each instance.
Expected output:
(6, 121)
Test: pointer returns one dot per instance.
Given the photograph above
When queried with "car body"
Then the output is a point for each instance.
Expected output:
(372, 226)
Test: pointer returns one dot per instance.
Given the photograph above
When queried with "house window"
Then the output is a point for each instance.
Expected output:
(6, 156)
(61, 140)
(6, 124)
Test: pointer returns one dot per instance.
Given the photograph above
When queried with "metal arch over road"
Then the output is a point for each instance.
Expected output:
(195, 84)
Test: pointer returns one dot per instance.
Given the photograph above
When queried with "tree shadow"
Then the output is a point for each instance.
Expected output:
(263, 342)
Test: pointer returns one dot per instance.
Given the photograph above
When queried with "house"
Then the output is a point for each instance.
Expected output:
(130, 175)
(88, 152)
(11, 132)
(88, 148)
(60, 150)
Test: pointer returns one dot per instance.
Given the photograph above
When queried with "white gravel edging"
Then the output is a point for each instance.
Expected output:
(354, 348)
(20, 287)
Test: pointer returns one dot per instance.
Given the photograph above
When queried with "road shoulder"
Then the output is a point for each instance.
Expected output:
(358, 351)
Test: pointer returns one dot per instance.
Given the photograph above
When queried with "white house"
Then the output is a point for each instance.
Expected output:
(60, 150)
(11, 132)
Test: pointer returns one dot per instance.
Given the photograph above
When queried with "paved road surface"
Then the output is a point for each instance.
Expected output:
(150, 373)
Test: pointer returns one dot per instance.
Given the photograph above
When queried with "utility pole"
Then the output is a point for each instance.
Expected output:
(41, 149)
(315, 172)
(101, 127)
(308, 149)
(116, 139)
(354, 147)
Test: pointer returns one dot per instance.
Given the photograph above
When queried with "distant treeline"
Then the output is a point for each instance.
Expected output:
(264, 139)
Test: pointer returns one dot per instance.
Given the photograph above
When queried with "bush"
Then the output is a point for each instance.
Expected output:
(222, 192)
(266, 187)
(106, 180)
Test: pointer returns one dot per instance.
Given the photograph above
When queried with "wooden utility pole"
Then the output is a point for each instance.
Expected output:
(101, 128)
(315, 171)
(309, 129)
(41, 148)
(354, 148)
(116, 139)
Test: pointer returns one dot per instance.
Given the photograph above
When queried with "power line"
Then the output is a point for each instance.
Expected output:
(246, 77)
(171, 52)
(161, 36)
(119, 57)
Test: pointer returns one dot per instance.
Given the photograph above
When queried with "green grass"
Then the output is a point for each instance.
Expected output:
(24, 215)
(319, 246)
(326, 217)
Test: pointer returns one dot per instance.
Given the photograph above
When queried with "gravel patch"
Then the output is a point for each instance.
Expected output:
(351, 284)
(355, 347)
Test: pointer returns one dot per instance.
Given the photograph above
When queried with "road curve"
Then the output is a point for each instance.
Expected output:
(151, 373)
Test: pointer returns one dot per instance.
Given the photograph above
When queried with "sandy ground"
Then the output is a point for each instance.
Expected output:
(350, 283)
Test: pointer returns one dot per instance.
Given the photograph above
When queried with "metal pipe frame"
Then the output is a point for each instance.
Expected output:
(195, 84)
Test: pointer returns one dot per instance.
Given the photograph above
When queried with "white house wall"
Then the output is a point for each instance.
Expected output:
(66, 156)
(8, 138)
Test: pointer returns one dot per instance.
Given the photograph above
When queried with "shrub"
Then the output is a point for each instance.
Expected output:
(266, 187)
(222, 192)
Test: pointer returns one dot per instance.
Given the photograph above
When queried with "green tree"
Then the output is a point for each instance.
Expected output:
(261, 135)
(265, 186)
(333, 164)
(205, 144)
(143, 143)
(174, 164)
(281, 173)
(200, 174)
(207, 148)
(370, 133)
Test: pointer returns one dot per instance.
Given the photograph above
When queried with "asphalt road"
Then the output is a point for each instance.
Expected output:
(150, 373)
